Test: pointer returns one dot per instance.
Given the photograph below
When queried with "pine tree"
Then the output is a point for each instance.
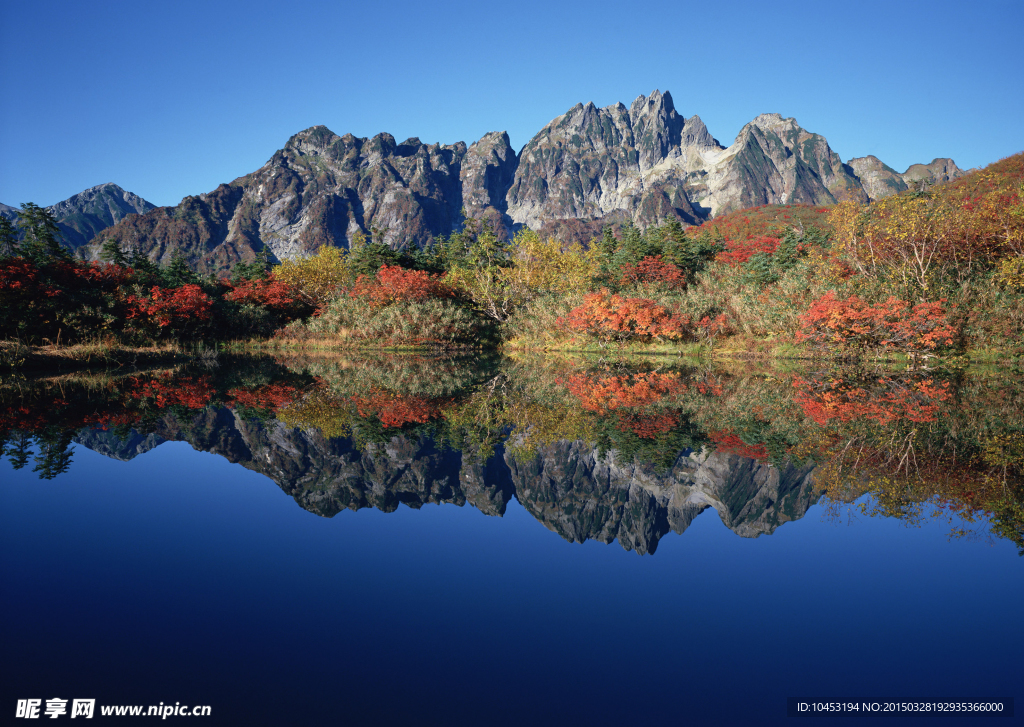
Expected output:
(42, 234)
(8, 238)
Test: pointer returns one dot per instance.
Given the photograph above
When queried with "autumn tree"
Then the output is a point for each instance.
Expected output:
(318, 279)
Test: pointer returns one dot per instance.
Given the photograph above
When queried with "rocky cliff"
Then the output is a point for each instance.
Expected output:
(572, 489)
(590, 162)
(652, 163)
(322, 189)
(646, 164)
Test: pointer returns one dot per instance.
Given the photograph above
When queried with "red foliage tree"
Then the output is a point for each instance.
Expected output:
(602, 394)
(269, 397)
(850, 324)
(648, 426)
(652, 269)
(729, 443)
(164, 390)
(394, 284)
(883, 400)
(172, 306)
(394, 410)
(268, 292)
(613, 317)
(738, 252)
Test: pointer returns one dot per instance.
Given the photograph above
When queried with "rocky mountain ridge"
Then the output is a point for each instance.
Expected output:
(646, 164)
(82, 216)
(880, 180)
(568, 486)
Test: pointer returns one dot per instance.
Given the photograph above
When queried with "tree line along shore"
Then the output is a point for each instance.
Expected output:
(921, 274)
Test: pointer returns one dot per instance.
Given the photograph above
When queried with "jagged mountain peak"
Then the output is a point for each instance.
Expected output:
(314, 140)
(644, 162)
(655, 100)
(772, 119)
(118, 200)
(695, 133)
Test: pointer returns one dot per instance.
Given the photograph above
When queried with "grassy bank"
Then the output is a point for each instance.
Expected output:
(15, 356)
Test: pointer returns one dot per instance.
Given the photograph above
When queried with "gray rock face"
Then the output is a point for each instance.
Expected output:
(646, 164)
(590, 162)
(322, 189)
(486, 175)
(879, 180)
(110, 445)
(926, 175)
(568, 486)
(655, 165)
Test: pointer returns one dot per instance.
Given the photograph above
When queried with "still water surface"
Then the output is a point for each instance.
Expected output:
(446, 542)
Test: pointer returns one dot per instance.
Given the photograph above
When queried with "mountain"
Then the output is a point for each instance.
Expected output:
(940, 170)
(321, 189)
(646, 164)
(85, 214)
(569, 487)
(880, 180)
(655, 165)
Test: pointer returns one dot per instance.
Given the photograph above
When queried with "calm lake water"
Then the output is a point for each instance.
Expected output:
(424, 540)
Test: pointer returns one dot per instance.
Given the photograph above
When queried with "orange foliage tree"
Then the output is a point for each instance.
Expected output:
(172, 307)
(652, 269)
(849, 325)
(394, 284)
(612, 317)
(602, 394)
(397, 410)
(269, 292)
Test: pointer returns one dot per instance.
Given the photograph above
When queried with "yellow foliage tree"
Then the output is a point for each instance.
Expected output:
(537, 267)
(319, 278)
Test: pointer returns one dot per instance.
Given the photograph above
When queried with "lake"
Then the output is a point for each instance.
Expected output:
(485, 540)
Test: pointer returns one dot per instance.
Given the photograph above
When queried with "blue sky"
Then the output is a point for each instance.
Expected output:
(171, 99)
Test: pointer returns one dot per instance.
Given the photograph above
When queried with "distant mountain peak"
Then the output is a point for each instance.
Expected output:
(83, 215)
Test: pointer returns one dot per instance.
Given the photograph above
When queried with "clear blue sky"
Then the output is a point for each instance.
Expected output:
(170, 99)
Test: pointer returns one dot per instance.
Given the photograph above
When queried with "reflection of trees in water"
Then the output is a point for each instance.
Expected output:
(921, 446)
(609, 451)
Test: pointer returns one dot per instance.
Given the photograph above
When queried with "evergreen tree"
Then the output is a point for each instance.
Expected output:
(111, 252)
(54, 456)
(259, 268)
(16, 449)
(42, 235)
(8, 238)
(178, 273)
(147, 272)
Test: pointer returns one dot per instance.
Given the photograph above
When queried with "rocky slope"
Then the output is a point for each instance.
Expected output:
(645, 164)
(85, 214)
(880, 180)
(568, 486)
(322, 189)
(652, 163)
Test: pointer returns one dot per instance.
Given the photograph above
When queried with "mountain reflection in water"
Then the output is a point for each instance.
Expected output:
(623, 451)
